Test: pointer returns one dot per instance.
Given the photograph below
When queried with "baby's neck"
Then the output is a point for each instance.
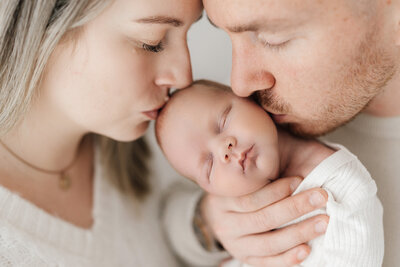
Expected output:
(298, 157)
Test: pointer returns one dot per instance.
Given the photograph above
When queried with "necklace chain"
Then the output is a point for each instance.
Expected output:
(64, 182)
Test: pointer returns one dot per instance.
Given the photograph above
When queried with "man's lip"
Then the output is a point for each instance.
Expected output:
(243, 158)
(278, 118)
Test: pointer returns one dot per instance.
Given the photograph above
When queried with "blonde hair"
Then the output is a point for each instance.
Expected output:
(29, 32)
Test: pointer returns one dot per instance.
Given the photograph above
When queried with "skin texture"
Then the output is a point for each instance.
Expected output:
(109, 71)
(205, 134)
(313, 65)
(100, 82)
(337, 55)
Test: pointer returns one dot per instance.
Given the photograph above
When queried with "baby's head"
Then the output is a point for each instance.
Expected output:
(226, 144)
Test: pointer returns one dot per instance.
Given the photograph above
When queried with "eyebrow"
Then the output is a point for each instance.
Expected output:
(163, 20)
(268, 25)
(251, 27)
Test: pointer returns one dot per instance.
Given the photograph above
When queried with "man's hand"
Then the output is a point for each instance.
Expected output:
(247, 226)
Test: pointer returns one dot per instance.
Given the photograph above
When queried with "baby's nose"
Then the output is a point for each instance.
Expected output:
(227, 149)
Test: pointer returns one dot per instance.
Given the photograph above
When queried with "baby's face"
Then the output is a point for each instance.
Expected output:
(226, 144)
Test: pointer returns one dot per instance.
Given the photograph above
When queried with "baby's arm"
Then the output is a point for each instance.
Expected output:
(354, 236)
(355, 233)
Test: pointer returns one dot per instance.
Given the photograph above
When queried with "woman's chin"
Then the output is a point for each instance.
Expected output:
(129, 134)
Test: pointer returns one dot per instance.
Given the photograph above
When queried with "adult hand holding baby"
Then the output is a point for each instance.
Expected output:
(246, 225)
(239, 161)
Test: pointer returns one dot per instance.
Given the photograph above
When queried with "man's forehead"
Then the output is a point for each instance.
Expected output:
(230, 14)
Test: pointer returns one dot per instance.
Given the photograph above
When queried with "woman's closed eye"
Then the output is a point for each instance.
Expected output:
(153, 48)
(149, 46)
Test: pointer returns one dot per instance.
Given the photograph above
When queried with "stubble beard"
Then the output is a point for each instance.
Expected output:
(361, 79)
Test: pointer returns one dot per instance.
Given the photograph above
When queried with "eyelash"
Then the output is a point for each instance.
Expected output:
(222, 124)
(223, 120)
(274, 46)
(210, 162)
(153, 48)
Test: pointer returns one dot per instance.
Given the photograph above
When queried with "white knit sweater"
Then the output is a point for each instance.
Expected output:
(123, 234)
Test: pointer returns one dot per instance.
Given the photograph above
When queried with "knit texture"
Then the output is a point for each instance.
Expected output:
(376, 142)
(354, 237)
(125, 233)
(178, 216)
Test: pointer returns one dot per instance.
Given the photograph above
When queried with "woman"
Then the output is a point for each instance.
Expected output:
(76, 75)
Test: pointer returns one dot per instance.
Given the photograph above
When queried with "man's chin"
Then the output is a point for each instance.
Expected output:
(308, 130)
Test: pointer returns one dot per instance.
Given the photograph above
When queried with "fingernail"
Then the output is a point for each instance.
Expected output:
(295, 184)
(301, 255)
(320, 227)
(316, 199)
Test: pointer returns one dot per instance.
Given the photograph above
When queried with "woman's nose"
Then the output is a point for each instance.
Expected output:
(227, 149)
(176, 71)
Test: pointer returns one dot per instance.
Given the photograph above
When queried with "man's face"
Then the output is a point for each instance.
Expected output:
(313, 64)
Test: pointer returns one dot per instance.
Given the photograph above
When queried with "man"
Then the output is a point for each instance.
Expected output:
(313, 65)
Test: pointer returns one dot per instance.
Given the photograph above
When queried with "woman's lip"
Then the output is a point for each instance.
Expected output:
(152, 114)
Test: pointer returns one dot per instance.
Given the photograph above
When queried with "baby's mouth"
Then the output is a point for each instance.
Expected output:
(243, 158)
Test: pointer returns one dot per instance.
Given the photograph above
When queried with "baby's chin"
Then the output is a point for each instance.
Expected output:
(239, 191)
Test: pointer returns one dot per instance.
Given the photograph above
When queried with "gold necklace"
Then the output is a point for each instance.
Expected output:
(64, 180)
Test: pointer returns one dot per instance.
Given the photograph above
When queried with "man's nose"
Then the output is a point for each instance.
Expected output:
(248, 72)
(227, 149)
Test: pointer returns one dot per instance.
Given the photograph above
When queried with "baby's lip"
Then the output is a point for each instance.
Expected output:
(243, 157)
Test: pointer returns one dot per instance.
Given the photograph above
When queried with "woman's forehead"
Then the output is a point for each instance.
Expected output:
(181, 11)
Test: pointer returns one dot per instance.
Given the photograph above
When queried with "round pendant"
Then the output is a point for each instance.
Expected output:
(64, 182)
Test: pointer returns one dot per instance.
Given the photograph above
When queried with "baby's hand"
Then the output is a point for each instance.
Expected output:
(246, 225)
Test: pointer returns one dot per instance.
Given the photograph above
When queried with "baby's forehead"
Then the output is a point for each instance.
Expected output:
(197, 97)
(205, 90)
(187, 117)
(192, 101)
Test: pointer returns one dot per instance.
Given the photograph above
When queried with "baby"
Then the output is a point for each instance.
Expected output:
(230, 146)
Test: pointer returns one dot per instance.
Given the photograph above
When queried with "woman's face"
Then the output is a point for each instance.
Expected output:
(113, 78)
